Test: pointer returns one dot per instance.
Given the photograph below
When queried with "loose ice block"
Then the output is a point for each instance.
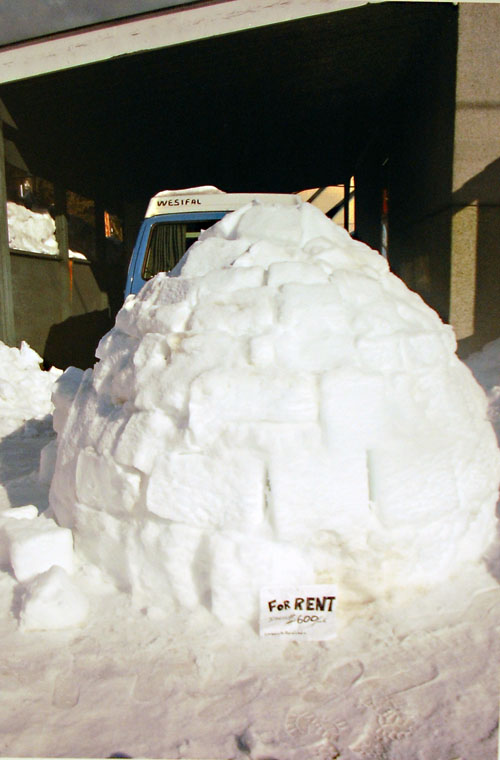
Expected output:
(52, 601)
(35, 545)
(26, 512)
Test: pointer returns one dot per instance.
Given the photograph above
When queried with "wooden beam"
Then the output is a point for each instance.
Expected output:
(7, 327)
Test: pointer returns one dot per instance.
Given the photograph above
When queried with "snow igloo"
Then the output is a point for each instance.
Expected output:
(284, 411)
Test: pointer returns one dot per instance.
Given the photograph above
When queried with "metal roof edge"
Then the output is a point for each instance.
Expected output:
(156, 29)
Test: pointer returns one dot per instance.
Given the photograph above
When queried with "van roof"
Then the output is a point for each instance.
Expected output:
(209, 198)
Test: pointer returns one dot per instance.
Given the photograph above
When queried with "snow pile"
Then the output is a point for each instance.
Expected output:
(284, 412)
(31, 230)
(25, 390)
(39, 554)
(34, 231)
(31, 545)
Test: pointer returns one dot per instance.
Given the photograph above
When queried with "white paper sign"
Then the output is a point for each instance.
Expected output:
(302, 612)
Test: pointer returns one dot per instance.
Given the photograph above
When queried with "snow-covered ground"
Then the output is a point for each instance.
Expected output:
(410, 676)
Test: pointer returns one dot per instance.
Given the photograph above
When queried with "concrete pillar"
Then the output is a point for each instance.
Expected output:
(475, 245)
(7, 328)
(419, 170)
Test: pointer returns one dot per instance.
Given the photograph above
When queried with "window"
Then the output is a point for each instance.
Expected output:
(168, 242)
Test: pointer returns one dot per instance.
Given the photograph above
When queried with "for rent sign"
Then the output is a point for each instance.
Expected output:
(306, 612)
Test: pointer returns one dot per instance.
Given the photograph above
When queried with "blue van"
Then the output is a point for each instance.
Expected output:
(173, 222)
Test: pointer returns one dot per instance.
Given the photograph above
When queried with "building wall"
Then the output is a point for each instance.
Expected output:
(444, 178)
(62, 318)
(420, 171)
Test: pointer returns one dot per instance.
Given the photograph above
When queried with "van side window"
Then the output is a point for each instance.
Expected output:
(167, 244)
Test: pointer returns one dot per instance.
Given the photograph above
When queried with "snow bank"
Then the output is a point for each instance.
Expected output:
(25, 390)
(30, 543)
(284, 412)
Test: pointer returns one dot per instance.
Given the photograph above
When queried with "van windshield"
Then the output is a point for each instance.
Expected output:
(168, 242)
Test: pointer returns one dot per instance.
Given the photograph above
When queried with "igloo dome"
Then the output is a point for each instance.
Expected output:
(284, 411)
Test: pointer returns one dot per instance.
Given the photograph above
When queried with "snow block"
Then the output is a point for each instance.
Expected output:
(163, 302)
(204, 490)
(48, 457)
(312, 306)
(344, 418)
(101, 483)
(51, 602)
(170, 560)
(107, 541)
(239, 395)
(65, 390)
(327, 490)
(35, 545)
(214, 254)
(284, 228)
(243, 564)
(115, 347)
(283, 272)
(241, 312)
(298, 350)
(228, 280)
(26, 512)
(191, 356)
(144, 435)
